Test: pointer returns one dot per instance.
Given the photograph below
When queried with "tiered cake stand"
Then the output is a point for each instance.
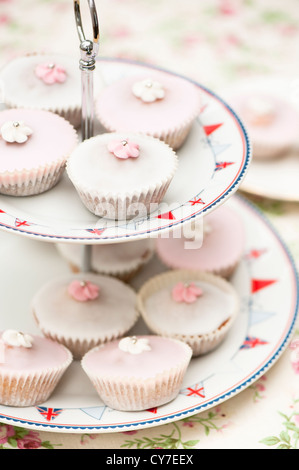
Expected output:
(212, 165)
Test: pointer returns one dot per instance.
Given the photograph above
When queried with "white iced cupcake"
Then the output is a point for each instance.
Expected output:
(34, 146)
(51, 82)
(121, 260)
(121, 175)
(192, 306)
(30, 368)
(138, 373)
(84, 310)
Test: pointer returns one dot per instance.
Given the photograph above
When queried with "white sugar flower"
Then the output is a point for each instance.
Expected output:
(15, 131)
(16, 338)
(148, 90)
(134, 345)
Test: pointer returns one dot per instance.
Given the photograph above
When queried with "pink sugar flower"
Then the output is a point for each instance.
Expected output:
(83, 290)
(187, 293)
(124, 149)
(50, 73)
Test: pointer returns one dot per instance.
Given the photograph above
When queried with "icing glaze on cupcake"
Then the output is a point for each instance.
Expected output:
(84, 310)
(191, 306)
(272, 123)
(155, 103)
(115, 186)
(50, 82)
(30, 368)
(138, 373)
(223, 242)
(34, 146)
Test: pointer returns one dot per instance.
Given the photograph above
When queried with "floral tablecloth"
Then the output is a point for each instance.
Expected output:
(217, 43)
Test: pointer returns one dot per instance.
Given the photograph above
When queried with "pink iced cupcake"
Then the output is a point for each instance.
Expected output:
(272, 123)
(218, 249)
(154, 103)
(84, 310)
(34, 146)
(120, 175)
(192, 306)
(138, 373)
(30, 368)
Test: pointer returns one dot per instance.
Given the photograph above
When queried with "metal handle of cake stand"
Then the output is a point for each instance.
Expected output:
(89, 51)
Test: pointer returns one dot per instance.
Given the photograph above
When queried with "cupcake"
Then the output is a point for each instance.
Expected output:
(119, 176)
(272, 123)
(191, 306)
(214, 244)
(51, 82)
(154, 103)
(121, 260)
(34, 146)
(30, 368)
(137, 373)
(82, 311)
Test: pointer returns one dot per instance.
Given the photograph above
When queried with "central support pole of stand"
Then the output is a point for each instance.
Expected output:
(89, 51)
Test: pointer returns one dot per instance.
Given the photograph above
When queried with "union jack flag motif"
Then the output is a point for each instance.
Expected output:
(96, 231)
(196, 201)
(49, 413)
(196, 390)
(251, 342)
(21, 223)
(222, 165)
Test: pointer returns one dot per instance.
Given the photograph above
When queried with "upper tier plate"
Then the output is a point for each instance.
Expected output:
(212, 164)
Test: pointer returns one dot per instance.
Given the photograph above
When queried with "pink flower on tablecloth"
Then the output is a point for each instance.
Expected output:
(9, 433)
(187, 293)
(295, 355)
(129, 433)
(124, 149)
(227, 8)
(297, 419)
(188, 424)
(30, 441)
(4, 19)
(82, 291)
(50, 73)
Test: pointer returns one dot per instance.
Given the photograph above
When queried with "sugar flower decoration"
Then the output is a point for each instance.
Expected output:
(187, 293)
(82, 291)
(50, 73)
(124, 149)
(148, 90)
(15, 131)
(134, 345)
(16, 338)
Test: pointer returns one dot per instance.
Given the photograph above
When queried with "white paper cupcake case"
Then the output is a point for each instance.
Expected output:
(20, 389)
(131, 394)
(200, 344)
(31, 182)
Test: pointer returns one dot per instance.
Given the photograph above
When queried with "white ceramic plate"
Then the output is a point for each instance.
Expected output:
(266, 281)
(274, 178)
(212, 164)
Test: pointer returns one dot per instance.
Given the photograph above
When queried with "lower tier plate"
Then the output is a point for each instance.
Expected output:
(266, 281)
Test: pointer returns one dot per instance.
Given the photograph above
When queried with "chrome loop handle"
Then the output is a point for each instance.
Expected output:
(89, 49)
